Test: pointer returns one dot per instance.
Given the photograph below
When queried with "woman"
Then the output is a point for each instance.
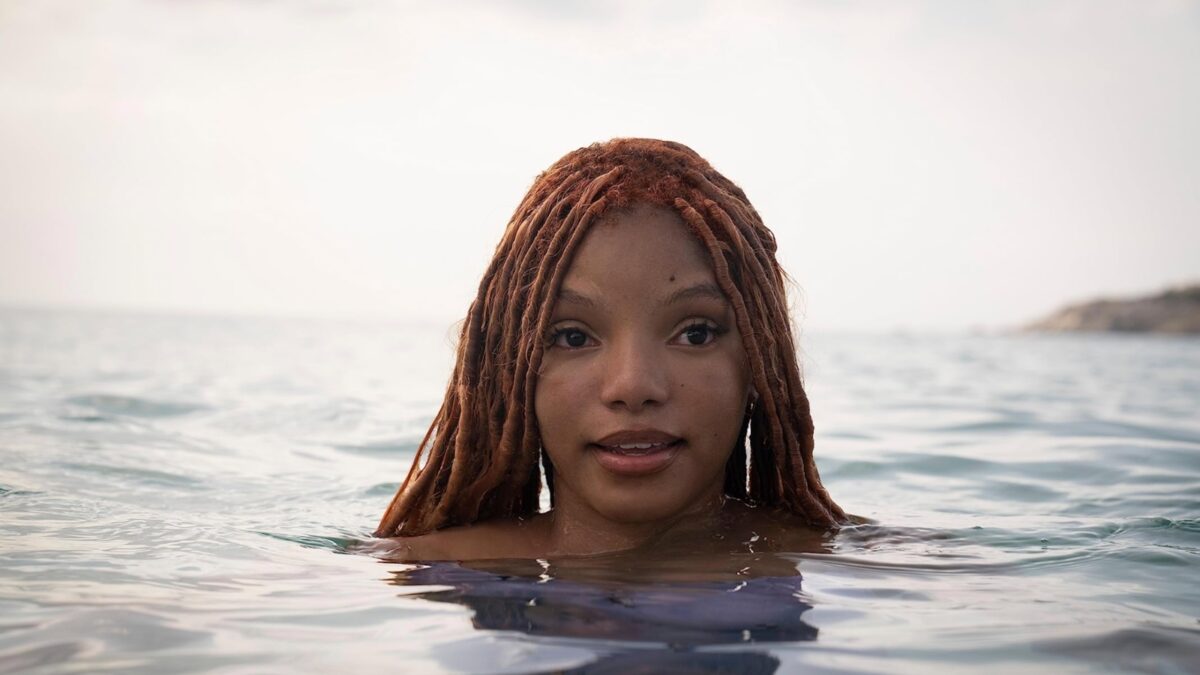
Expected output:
(630, 333)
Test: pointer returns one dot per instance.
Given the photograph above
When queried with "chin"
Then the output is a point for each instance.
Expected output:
(632, 511)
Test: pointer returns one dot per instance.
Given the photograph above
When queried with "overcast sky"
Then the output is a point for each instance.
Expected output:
(925, 165)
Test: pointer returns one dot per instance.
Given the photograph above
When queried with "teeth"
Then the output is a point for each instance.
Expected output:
(637, 448)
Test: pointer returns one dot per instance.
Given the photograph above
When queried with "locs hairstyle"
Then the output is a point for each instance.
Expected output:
(479, 459)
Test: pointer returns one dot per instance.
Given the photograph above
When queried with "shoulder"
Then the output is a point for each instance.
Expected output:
(505, 538)
(781, 530)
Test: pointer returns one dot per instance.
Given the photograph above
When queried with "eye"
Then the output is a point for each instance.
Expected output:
(570, 338)
(698, 334)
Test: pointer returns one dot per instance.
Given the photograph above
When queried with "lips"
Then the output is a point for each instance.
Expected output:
(636, 451)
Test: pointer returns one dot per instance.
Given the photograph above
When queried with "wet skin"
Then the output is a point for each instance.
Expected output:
(641, 395)
(733, 543)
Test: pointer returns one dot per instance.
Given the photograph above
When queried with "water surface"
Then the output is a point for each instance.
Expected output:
(187, 494)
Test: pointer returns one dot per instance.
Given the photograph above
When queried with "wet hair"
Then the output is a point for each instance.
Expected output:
(479, 459)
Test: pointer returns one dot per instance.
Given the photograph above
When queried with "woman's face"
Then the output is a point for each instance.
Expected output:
(644, 381)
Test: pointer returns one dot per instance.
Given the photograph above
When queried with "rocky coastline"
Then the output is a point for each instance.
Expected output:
(1175, 311)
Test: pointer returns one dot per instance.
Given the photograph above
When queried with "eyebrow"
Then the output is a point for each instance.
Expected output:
(701, 290)
(575, 298)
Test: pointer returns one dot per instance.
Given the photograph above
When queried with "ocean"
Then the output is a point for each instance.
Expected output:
(192, 494)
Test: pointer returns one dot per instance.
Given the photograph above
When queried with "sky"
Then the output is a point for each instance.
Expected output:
(939, 166)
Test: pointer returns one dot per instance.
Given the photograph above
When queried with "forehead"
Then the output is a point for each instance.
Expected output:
(644, 244)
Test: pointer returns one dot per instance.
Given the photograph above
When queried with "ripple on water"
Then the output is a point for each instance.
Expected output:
(942, 465)
(10, 491)
(1154, 546)
(131, 406)
(135, 475)
(1021, 491)
(1101, 428)
(836, 469)
(27, 660)
(329, 543)
(1078, 471)
(381, 490)
(105, 629)
(1148, 649)
(1165, 505)
(386, 448)
(1184, 459)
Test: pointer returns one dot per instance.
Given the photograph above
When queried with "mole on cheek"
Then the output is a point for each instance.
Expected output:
(672, 277)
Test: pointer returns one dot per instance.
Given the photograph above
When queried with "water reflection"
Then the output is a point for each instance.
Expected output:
(675, 604)
(666, 661)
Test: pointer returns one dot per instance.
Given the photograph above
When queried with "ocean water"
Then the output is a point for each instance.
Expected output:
(182, 494)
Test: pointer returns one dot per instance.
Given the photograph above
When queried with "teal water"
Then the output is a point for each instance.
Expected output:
(188, 494)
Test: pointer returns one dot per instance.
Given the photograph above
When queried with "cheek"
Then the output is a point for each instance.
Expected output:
(554, 405)
(542, 413)
(711, 404)
(721, 384)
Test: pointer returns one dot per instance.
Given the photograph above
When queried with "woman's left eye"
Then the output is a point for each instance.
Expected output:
(697, 334)
(570, 338)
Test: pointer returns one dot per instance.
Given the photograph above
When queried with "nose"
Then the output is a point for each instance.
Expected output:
(634, 376)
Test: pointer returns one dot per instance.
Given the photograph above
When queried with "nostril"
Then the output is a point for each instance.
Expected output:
(633, 377)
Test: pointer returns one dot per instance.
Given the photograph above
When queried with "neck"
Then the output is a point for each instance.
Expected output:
(577, 529)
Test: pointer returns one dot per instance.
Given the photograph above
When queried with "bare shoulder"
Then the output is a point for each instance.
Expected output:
(504, 538)
(782, 530)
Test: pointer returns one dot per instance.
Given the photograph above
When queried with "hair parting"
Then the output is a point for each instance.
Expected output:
(481, 458)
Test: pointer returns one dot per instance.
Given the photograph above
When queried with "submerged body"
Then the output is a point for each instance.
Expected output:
(561, 601)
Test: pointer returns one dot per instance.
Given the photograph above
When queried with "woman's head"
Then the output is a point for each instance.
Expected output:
(644, 384)
(521, 383)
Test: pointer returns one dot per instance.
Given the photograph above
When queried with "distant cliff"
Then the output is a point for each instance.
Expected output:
(1173, 311)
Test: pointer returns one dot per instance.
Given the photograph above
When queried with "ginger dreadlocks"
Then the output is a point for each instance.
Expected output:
(479, 459)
